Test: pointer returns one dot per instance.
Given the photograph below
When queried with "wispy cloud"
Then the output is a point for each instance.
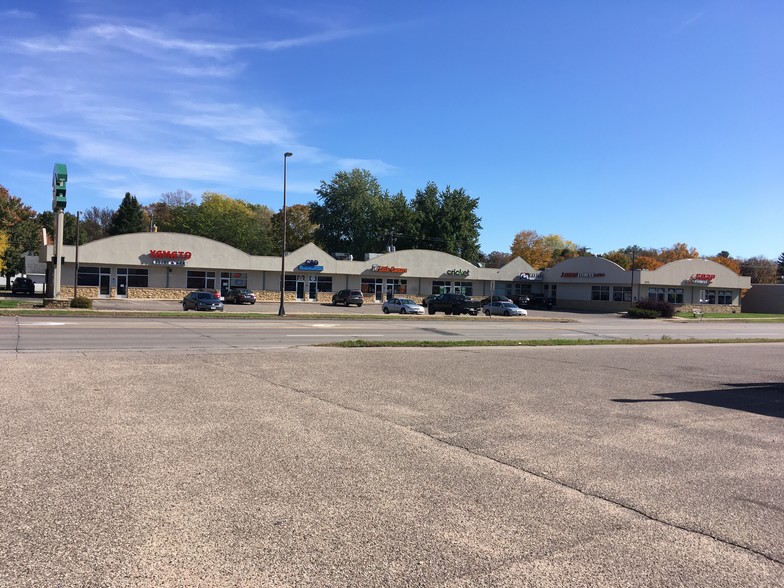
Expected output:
(16, 14)
(689, 22)
(375, 166)
(117, 97)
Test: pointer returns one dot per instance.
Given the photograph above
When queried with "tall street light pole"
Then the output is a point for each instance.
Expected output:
(281, 310)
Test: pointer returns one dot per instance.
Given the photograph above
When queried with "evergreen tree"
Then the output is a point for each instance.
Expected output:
(128, 218)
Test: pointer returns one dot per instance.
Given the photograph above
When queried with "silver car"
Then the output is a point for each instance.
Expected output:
(402, 306)
(503, 308)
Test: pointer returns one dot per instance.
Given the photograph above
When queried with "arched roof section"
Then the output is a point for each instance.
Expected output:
(136, 248)
(516, 268)
(426, 262)
(697, 272)
(586, 269)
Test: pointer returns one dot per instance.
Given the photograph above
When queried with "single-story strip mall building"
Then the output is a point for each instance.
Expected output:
(168, 265)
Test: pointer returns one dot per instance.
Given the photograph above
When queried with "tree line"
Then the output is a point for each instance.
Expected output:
(352, 215)
(543, 251)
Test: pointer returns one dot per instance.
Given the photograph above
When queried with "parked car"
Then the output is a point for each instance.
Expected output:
(494, 298)
(402, 306)
(239, 296)
(201, 301)
(213, 291)
(520, 300)
(540, 301)
(503, 308)
(426, 300)
(453, 304)
(23, 286)
(346, 297)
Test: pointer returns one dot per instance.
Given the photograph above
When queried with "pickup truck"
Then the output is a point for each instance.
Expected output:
(453, 304)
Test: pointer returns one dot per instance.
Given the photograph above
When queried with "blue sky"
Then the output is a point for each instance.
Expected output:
(610, 123)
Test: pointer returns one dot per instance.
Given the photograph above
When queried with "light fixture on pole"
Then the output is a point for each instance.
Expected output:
(281, 310)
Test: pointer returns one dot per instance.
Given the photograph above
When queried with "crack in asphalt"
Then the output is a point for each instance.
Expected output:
(517, 468)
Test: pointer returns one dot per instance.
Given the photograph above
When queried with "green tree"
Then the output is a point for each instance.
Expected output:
(17, 223)
(246, 226)
(128, 218)
(300, 230)
(350, 216)
(446, 221)
(94, 224)
(168, 212)
(47, 220)
(399, 219)
(428, 223)
(460, 224)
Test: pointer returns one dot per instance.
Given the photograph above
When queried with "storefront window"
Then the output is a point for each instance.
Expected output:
(324, 283)
(465, 288)
(441, 287)
(199, 279)
(656, 294)
(600, 293)
(708, 296)
(369, 285)
(235, 279)
(87, 276)
(622, 294)
(290, 283)
(675, 295)
(725, 297)
(398, 286)
(517, 289)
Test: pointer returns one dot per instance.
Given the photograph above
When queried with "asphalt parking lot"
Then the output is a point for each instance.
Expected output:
(618, 466)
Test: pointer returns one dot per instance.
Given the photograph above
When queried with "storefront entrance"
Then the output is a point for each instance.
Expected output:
(122, 286)
(104, 285)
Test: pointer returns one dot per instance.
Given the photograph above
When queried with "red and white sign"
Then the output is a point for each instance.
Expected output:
(164, 254)
(704, 279)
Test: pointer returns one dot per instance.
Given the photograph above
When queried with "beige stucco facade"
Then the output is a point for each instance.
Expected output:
(167, 265)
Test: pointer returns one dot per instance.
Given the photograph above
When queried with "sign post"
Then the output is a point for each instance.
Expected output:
(59, 179)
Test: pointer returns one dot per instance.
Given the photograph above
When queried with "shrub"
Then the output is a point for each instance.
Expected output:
(636, 312)
(662, 308)
(81, 302)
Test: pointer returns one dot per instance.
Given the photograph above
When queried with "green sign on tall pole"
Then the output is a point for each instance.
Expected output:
(59, 179)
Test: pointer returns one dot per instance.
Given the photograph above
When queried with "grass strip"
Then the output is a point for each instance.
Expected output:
(540, 342)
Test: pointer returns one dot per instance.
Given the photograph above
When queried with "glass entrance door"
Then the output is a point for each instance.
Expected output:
(104, 286)
(122, 286)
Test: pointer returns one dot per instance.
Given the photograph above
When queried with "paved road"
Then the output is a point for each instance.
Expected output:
(77, 333)
(619, 466)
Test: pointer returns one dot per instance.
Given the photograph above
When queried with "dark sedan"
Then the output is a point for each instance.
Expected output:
(23, 286)
(201, 301)
(240, 296)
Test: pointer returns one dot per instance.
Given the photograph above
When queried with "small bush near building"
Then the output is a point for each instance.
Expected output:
(81, 302)
(652, 309)
(635, 312)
